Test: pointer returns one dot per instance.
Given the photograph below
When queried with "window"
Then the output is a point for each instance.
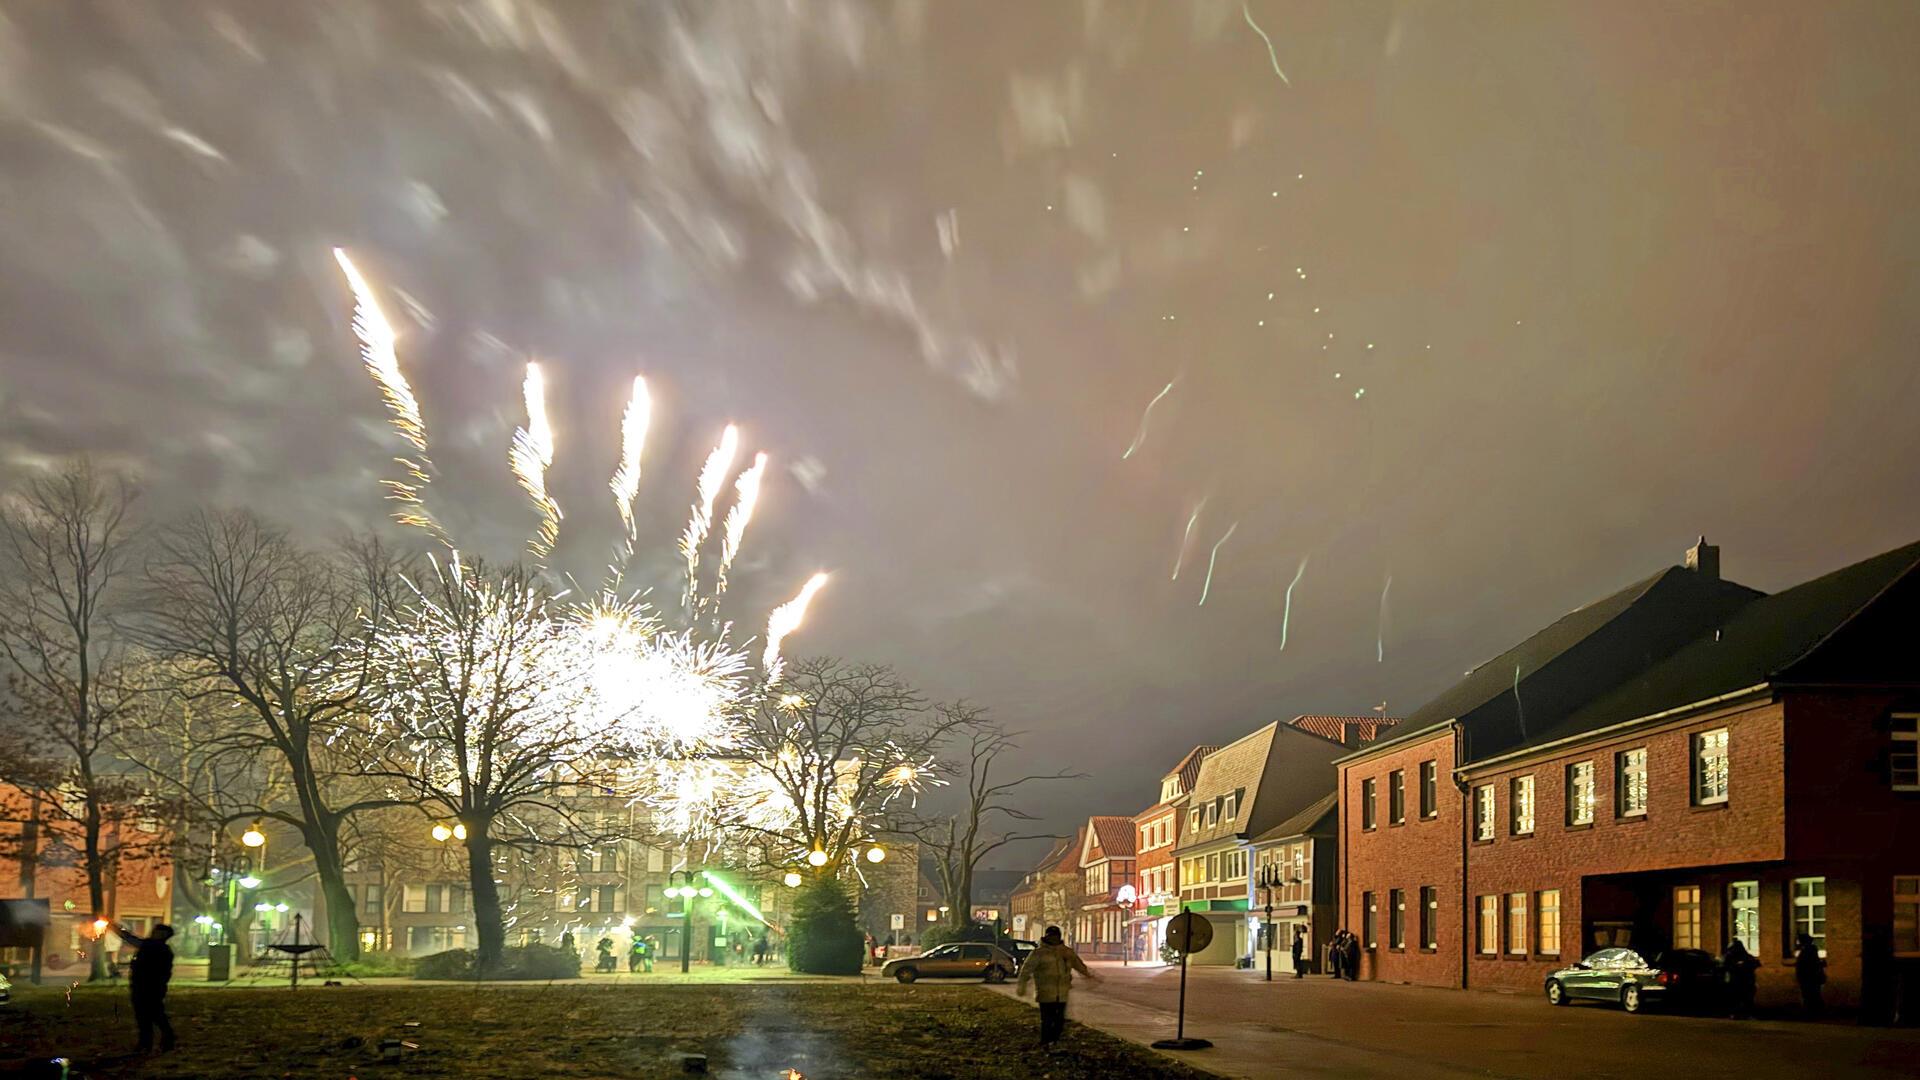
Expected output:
(1904, 761)
(1213, 813)
(1397, 797)
(1906, 915)
(1630, 782)
(1193, 820)
(1710, 767)
(1397, 918)
(1809, 912)
(1230, 808)
(1743, 914)
(1367, 921)
(1580, 793)
(371, 897)
(1429, 789)
(413, 899)
(1686, 917)
(1429, 917)
(1488, 928)
(1213, 867)
(1366, 803)
(1520, 805)
(1483, 812)
(1547, 903)
(1517, 923)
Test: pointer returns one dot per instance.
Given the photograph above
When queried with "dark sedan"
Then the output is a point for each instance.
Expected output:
(1627, 977)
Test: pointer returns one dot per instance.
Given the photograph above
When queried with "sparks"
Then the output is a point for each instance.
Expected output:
(784, 620)
(377, 339)
(1141, 435)
(633, 439)
(746, 493)
(712, 475)
(1207, 585)
(1271, 55)
(530, 456)
(1286, 611)
(1186, 537)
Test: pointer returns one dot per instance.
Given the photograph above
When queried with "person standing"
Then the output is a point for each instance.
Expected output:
(152, 971)
(1810, 971)
(760, 950)
(1740, 966)
(1050, 969)
(1299, 952)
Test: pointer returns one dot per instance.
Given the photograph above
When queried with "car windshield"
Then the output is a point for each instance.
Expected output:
(946, 950)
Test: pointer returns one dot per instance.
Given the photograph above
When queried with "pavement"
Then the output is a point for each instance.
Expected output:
(1323, 1027)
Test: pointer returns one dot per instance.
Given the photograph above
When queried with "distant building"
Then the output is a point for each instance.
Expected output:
(1301, 854)
(41, 857)
(1157, 831)
(1049, 894)
(1107, 877)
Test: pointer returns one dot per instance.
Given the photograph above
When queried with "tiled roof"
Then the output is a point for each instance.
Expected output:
(1114, 835)
(1067, 860)
(1272, 774)
(1189, 768)
(1365, 729)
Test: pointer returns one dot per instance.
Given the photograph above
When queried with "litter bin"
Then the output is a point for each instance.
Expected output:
(219, 963)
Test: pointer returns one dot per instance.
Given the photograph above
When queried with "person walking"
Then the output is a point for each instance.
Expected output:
(1810, 971)
(636, 953)
(1740, 966)
(1299, 952)
(1050, 969)
(152, 971)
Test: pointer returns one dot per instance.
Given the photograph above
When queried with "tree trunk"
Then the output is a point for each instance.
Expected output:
(96, 884)
(322, 835)
(488, 921)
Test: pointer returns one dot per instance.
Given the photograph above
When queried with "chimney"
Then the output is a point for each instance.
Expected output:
(1704, 559)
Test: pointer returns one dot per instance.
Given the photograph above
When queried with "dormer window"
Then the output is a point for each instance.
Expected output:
(1228, 808)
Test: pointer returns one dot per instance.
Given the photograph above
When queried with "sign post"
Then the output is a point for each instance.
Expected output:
(1187, 933)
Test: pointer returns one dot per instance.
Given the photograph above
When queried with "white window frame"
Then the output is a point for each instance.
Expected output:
(1520, 805)
(1631, 790)
(1517, 940)
(1743, 914)
(1484, 813)
(1429, 790)
(1229, 808)
(1547, 929)
(1903, 762)
(1686, 899)
(1430, 917)
(1487, 923)
(1711, 785)
(1809, 911)
(1369, 795)
(1580, 793)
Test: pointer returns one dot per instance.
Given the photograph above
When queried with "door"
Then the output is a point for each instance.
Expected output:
(974, 960)
(941, 962)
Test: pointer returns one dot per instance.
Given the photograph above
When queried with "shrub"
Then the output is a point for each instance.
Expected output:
(529, 962)
(373, 965)
(825, 939)
(973, 931)
(452, 964)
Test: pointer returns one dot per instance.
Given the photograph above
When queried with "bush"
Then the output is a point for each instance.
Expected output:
(528, 962)
(973, 931)
(373, 965)
(824, 938)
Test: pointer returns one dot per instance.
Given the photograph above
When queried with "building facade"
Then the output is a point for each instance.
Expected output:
(1296, 891)
(1157, 833)
(1109, 888)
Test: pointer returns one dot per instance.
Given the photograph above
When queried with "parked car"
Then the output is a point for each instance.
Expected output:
(1677, 977)
(1020, 949)
(955, 960)
(6, 989)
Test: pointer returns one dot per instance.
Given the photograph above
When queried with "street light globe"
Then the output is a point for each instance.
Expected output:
(817, 857)
(705, 891)
(459, 830)
(263, 906)
(441, 832)
(280, 908)
(249, 882)
(791, 880)
(253, 837)
(876, 853)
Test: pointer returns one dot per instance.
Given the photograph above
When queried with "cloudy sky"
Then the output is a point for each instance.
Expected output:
(1502, 302)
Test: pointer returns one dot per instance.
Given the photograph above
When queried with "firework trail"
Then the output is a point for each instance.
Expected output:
(1207, 585)
(1518, 708)
(530, 456)
(784, 620)
(633, 439)
(712, 475)
(1286, 612)
(746, 492)
(377, 338)
(1271, 55)
(1141, 435)
(1185, 538)
(1380, 643)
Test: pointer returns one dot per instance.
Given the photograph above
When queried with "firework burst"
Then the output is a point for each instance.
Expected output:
(530, 456)
(633, 439)
(377, 352)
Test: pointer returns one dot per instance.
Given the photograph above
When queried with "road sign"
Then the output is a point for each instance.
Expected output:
(897, 922)
(1189, 932)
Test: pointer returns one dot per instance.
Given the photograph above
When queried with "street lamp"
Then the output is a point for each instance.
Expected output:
(1270, 879)
(817, 858)
(791, 879)
(253, 837)
(441, 833)
(1128, 897)
(688, 892)
(876, 853)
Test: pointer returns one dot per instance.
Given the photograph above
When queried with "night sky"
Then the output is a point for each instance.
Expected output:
(1505, 302)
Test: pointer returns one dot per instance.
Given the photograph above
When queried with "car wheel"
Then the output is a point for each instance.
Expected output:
(906, 975)
(1556, 994)
(1630, 998)
(996, 974)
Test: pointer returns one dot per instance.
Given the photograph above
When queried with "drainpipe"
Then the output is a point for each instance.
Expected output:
(1467, 810)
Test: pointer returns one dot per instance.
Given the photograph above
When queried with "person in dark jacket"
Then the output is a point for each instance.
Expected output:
(1740, 966)
(152, 971)
(1810, 971)
(1299, 951)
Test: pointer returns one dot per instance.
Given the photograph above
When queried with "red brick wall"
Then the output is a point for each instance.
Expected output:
(1418, 853)
(1750, 827)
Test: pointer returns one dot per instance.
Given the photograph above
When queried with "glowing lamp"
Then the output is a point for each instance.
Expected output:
(817, 857)
(263, 907)
(249, 882)
(99, 927)
(933, 916)
(280, 908)
(459, 830)
(441, 832)
(876, 853)
(253, 837)
(705, 891)
(792, 879)
(203, 920)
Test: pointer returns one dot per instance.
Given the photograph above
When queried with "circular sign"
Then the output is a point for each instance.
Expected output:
(1189, 932)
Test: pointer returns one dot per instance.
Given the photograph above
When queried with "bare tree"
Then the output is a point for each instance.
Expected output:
(961, 841)
(479, 703)
(66, 541)
(253, 621)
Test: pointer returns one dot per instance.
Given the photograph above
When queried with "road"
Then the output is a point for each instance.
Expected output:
(1321, 1027)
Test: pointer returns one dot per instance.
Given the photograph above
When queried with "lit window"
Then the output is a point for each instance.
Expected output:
(1517, 923)
(1520, 805)
(1397, 797)
(1580, 793)
(1630, 782)
(1366, 803)
(1710, 767)
(1548, 903)
(1429, 917)
(1488, 926)
(1743, 911)
(1429, 789)
(1686, 917)
(1810, 912)
(1904, 761)
(1368, 920)
(1906, 915)
(1397, 918)
(1483, 812)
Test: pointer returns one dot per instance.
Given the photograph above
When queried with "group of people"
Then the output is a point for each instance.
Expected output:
(1343, 955)
(1742, 968)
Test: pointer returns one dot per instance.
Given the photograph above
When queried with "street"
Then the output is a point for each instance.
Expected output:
(1320, 1027)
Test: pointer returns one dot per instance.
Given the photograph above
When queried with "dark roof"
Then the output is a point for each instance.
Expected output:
(993, 886)
(1114, 835)
(1824, 630)
(1364, 729)
(1316, 817)
(1189, 767)
(1509, 700)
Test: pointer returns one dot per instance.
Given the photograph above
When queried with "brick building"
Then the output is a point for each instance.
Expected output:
(41, 858)
(1662, 793)
(1049, 895)
(1106, 868)
(1157, 831)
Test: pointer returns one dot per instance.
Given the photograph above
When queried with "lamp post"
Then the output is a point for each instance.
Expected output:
(688, 892)
(1128, 896)
(1270, 879)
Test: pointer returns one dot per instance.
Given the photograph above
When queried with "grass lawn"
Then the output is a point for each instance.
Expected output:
(521, 1032)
